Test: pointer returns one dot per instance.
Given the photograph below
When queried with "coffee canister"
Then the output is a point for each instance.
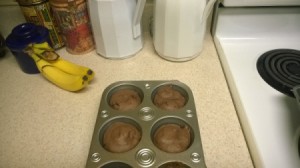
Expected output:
(73, 19)
(38, 12)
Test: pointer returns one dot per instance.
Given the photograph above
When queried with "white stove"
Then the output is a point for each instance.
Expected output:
(269, 118)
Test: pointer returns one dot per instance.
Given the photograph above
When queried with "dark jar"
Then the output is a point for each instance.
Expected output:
(2, 46)
(18, 40)
(73, 19)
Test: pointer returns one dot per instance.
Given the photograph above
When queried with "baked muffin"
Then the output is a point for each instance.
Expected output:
(125, 99)
(121, 137)
(172, 138)
(168, 98)
(174, 165)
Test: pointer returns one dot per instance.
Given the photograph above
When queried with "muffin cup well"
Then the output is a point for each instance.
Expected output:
(172, 135)
(174, 165)
(170, 97)
(116, 165)
(125, 97)
(120, 135)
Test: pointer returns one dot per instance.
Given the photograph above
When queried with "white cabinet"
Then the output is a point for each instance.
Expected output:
(260, 2)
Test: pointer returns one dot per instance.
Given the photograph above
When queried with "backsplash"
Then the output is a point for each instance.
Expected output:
(8, 2)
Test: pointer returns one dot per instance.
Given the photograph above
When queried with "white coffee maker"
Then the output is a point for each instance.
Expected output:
(179, 28)
(116, 26)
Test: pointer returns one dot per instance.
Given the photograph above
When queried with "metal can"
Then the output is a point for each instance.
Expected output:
(73, 19)
(39, 13)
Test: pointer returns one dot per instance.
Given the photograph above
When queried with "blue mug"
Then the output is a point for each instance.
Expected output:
(22, 35)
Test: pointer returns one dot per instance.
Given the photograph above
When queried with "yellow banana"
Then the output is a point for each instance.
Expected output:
(46, 55)
(43, 46)
(58, 77)
(45, 51)
(72, 68)
(37, 50)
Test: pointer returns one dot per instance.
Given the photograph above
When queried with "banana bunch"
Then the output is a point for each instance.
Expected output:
(62, 73)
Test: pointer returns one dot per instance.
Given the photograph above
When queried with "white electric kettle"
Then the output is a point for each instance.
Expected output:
(116, 27)
(179, 28)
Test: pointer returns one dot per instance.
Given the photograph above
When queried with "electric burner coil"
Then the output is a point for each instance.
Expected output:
(280, 68)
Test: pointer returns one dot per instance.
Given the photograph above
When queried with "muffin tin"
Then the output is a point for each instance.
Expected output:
(147, 118)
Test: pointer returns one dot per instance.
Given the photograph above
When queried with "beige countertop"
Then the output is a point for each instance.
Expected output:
(43, 126)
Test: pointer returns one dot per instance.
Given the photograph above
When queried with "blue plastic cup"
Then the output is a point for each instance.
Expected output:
(18, 40)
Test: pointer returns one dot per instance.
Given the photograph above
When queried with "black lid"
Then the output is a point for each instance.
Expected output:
(24, 34)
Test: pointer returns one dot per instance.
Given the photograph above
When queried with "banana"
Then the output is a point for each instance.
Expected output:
(72, 68)
(67, 75)
(59, 77)
(45, 51)
(37, 50)
(43, 46)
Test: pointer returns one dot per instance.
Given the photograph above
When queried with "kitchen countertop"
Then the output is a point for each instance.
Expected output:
(43, 126)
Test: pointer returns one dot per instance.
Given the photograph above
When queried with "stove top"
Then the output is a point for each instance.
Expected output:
(269, 118)
(280, 68)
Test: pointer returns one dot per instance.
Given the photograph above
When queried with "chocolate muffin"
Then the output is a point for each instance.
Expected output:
(174, 165)
(172, 138)
(121, 137)
(125, 99)
(168, 98)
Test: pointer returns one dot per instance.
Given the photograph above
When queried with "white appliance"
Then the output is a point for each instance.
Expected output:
(117, 27)
(243, 31)
(179, 27)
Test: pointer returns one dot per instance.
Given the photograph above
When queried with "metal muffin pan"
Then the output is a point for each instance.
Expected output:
(147, 118)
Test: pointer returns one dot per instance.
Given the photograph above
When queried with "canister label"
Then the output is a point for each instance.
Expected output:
(40, 14)
(74, 24)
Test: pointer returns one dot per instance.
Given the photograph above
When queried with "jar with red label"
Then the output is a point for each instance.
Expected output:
(73, 19)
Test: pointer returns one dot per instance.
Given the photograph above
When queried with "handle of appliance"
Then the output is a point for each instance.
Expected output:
(296, 91)
(136, 28)
(207, 10)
